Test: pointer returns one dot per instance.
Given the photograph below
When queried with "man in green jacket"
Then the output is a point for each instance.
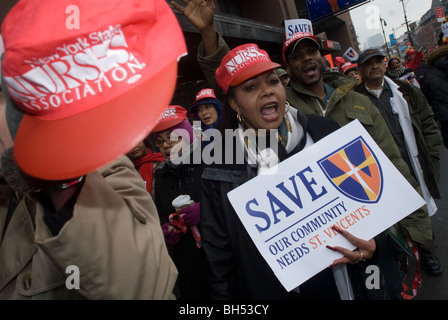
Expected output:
(313, 91)
(414, 129)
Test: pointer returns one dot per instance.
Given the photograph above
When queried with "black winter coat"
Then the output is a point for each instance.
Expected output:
(170, 182)
(239, 271)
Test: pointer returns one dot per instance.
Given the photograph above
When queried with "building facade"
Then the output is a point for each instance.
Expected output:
(429, 27)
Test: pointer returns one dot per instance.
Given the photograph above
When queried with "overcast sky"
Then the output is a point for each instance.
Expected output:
(391, 11)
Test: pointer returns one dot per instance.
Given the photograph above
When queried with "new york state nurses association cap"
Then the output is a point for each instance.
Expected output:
(91, 88)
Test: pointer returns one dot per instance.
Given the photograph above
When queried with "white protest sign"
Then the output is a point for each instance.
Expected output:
(350, 54)
(297, 25)
(344, 180)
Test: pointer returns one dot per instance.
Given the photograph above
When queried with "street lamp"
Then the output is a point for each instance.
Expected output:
(384, 35)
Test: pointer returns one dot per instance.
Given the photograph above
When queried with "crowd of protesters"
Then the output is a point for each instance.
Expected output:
(199, 249)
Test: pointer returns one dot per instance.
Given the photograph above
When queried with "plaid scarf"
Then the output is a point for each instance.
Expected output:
(397, 73)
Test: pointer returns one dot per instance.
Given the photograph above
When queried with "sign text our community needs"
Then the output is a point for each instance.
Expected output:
(344, 180)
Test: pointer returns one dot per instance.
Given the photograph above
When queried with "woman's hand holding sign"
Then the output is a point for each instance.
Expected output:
(365, 249)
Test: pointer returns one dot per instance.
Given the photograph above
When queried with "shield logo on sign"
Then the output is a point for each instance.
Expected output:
(355, 171)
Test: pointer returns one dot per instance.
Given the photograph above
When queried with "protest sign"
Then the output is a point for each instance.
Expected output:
(297, 25)
(410, 78)
(350, 55)
(344, 180)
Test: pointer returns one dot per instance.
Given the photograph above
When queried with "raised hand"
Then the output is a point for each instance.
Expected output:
(201, 13)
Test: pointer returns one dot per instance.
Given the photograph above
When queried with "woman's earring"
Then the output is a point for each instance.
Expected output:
(240, 118)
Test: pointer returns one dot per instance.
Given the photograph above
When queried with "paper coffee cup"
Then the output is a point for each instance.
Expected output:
(182, 201)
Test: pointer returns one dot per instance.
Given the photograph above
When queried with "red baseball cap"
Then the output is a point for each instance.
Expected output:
(170, 117)
(242, 63)
(338, 61)
(90, 90)
(295, 39)
(410, 52)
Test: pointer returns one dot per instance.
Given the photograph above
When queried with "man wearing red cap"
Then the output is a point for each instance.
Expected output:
(76, 221)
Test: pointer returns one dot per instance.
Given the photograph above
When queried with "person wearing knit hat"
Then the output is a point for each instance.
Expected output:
(208, 110)
(180, 175)
(351, 69)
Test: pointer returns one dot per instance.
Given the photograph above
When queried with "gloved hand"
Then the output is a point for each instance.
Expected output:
(171, 236)
(191, 214)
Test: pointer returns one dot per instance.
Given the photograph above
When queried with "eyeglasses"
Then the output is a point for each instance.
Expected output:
(172, 138)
